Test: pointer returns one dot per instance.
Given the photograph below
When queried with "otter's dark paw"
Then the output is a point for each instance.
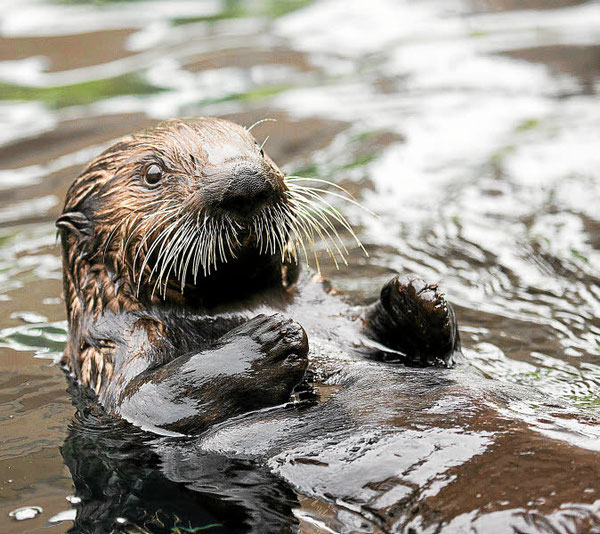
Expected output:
(277, 347)
(276, 336)
(254, 366)
(414, 318)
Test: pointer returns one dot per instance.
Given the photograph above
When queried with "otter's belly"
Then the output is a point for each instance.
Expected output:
(393, 447)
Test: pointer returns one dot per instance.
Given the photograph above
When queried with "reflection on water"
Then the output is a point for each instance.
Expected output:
(130, 481)
(470, 127)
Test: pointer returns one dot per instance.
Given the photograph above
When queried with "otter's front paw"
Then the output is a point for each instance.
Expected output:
(277, 347)
(414, 318)
(280, 337)
(277, 337)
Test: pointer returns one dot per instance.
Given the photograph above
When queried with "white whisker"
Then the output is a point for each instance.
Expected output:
(174, 242)
(260, 122)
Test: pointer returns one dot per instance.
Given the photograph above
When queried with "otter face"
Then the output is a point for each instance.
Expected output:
(210, 167)
(173, 205)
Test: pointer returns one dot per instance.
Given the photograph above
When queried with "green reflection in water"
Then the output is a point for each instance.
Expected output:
(307, 171)
(94, 2)
(235, 9)
(500, 154)
(588, 401)
(79, 93)
(6, 239)
(360, 150)
(42, 337)
(528, 124)
(360, 161)
(579, 256)
(258, 93)
(255, 94)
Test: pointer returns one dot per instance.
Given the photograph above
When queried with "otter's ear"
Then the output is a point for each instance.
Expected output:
(76, 223)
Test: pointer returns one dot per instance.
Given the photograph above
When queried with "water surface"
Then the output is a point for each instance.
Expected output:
(471, 127)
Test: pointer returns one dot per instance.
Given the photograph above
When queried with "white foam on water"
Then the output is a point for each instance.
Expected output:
(35, 17)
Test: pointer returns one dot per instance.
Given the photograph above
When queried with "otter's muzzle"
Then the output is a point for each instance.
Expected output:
(246, 190)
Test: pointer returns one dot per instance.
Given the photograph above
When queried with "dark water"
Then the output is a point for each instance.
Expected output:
(471, 128)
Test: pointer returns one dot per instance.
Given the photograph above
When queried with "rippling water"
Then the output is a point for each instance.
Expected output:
(472, 128)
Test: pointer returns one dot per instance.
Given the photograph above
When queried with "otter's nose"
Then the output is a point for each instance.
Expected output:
(247, 190)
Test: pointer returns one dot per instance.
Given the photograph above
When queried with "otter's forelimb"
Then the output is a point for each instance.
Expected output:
(414, 319)
(253, 366)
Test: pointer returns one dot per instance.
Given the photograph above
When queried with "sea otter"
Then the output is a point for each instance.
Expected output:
(188, 315)
(174, 240)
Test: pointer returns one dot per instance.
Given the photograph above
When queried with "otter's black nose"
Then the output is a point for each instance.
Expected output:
(247, 190)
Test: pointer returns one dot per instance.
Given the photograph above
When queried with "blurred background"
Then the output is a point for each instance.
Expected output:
(471, 127)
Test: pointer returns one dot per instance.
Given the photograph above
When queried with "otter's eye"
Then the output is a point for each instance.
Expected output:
(153, 174)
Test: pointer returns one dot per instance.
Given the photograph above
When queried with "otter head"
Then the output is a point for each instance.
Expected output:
(190, 212)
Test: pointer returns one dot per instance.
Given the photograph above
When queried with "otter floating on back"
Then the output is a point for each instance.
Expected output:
(188, 315)
(173, 239)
